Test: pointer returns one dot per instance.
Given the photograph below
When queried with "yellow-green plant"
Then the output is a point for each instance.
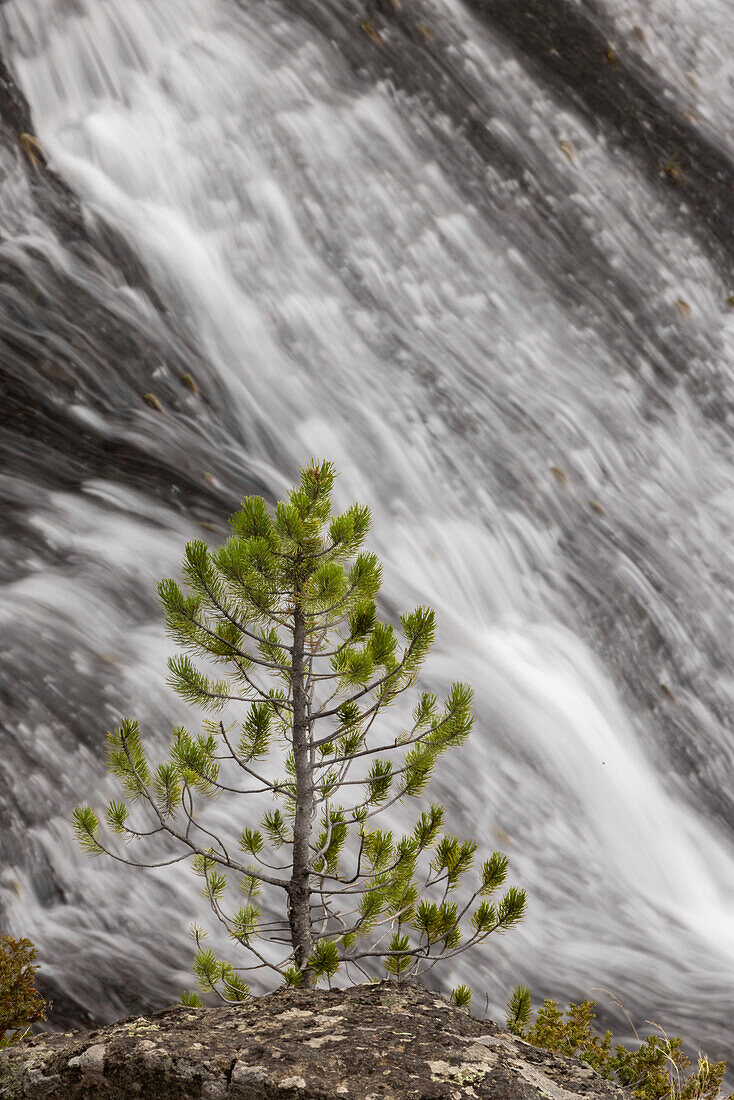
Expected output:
(658, 1069)
(20, 1002)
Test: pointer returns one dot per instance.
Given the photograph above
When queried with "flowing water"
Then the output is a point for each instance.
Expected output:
(385, 235)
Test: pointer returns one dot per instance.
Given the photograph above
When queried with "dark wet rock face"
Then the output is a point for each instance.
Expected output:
(372, 1042)
(94, 335)
(13, 107)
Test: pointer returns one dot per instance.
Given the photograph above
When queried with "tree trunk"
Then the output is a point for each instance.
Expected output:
(299, 893)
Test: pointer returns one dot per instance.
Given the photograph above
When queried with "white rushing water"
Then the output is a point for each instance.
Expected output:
(304, 227)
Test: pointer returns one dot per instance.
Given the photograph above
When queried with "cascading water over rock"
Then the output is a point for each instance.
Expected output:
(477, 253)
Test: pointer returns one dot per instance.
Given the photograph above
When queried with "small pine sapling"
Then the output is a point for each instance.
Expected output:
(287, 607)
(518, 1011)
(462, 996)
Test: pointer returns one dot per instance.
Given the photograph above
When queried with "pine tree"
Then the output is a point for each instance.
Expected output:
(287, 606)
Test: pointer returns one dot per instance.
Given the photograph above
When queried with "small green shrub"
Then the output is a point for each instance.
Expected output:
(20, 1002)
(658, 1070)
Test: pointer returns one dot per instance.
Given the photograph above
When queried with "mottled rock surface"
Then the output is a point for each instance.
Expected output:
(372, 1042)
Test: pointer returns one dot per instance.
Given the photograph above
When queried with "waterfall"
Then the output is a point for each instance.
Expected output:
(387, 235)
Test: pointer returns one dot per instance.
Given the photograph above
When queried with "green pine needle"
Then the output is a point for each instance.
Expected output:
(86, 827)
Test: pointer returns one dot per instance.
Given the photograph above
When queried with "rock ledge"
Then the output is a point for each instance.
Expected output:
(371, 1042)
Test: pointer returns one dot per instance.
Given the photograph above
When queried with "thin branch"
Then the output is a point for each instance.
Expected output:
(133, 862)
(264, 697)
(227, 922)
(189, 811)
(370, 687)
(245, 767)
(328, 761)
(185, 839)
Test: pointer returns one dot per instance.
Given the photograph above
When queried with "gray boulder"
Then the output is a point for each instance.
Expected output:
(371, 1042)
